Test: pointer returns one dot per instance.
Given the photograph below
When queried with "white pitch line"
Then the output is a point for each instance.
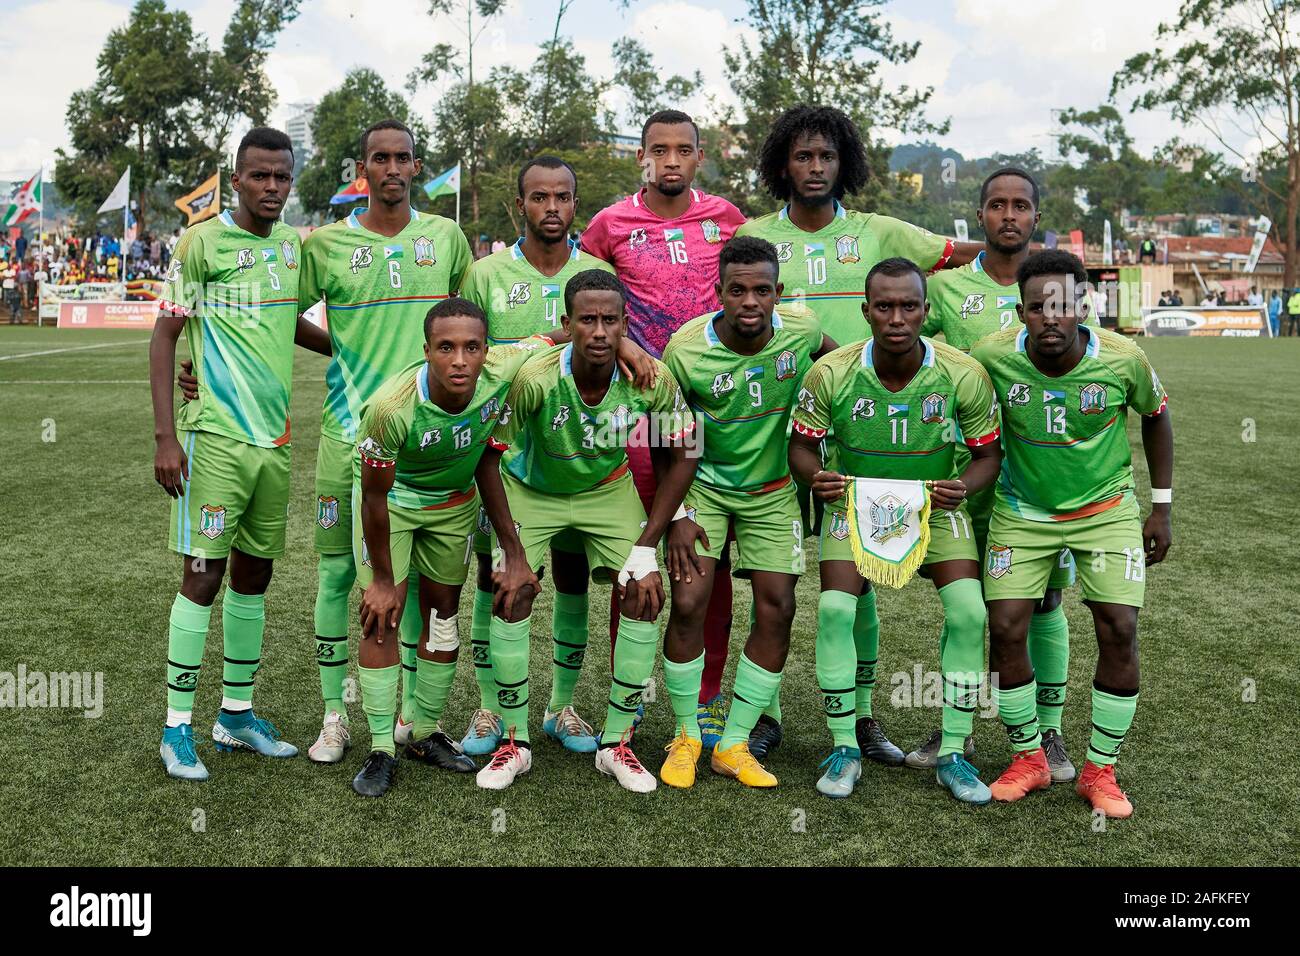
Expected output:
(76, 348)
(74, 381)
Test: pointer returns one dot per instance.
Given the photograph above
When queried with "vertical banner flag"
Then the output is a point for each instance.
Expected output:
(202, 202)
(25, 201)
(1107, 256)
(1076, 243)
(962, 230)
(117, 198)
(1261, 236)
(1049, 240)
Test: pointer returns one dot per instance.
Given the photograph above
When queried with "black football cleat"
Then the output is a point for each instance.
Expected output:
(765, 737)
(439, 750)
(376, 774)
(875, 745)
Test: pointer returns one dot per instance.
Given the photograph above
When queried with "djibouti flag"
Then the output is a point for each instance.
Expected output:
(550, 291)
(1052, 396)
(814, 249)
(896, 410)
(673, 235)
(393, 252)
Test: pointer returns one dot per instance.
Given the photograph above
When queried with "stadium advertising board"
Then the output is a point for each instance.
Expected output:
(1249, 321)
(107, 315)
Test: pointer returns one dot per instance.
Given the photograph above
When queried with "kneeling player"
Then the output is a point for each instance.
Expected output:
(573, 411)
(421, 438)
(739, 370)
(889, 405)
(1068, 483)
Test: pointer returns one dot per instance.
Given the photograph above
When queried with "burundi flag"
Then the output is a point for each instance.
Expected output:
(25, 201)
(446, 183)
(351, 192)
(203, 201)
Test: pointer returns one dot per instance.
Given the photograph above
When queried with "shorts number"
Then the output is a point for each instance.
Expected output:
(756, 393)
(677, 252)
(898, 431)
(275, 279)
(1064, 559)
(1134, 564)
(394, 273)
(817, 271)
(1055, 419)
(964, 530)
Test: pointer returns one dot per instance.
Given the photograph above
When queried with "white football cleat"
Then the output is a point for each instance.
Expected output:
(508, 762)
(402, 732)
(620, 763)
(334, 739)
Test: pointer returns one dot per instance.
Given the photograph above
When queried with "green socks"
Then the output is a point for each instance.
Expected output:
(962, 660)
(480, 627)
(866, 640)
(569, 637)
(754, 689)
(243, 621)
(509, 649)
(409, 627)
(335, 576)
(683, 683)
(634, 661)
(1049, 653)
(1016, 708)
(1112, 716)
(379, 700)
(836, 633)
(187, 632)
(433, 680)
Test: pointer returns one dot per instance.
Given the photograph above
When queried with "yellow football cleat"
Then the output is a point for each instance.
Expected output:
(736, 761)
(679, 766)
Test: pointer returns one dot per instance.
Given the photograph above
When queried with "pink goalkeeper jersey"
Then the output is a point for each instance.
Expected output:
(668, 266)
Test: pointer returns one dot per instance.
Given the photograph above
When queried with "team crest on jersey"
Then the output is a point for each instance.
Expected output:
(290, 257)
(999, 560)
(491, 408)
(361, 259)
(1018, 394)
(636, 237)
(863, 408)
(973, 305)
(846, 249)
(424, 255)
(786, 365)
(327, 512)
(619, 417)
(431, 437)
(712, 231)
(212, 521)
(560, 419)
(888, 518)
(933, 407)
(839, 525)
(244, 259)
(784, 250)
(722, 383)
(520, 293)
(1092, 399)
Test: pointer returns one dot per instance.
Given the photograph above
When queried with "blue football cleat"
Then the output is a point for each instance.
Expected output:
(178, 754)
(843, 768)
(712, 718)
(569, 729)
(484, 733)
(250, 733)
(955, 773)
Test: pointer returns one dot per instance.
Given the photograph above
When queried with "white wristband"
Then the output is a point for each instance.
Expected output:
(681, 512)
(639, 563)
(1162, 496)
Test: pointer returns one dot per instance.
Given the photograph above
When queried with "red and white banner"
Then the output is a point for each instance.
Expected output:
(107, 315)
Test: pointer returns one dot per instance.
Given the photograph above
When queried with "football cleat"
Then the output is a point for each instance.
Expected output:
(1097, 785)
(926, 756)
(683, 754)
(333, 740)
(962, 779)
(736, 761)
(765, 737)
(402, 732)
(843, 768)
(255, 734)
(439, 750)
(566, 727)
(484, 733)
(712, 717)
(619, 762)
(874, 744)
(376, 774)
(1028, 772)
(1058, 761)
(178, 754)
(508, 761)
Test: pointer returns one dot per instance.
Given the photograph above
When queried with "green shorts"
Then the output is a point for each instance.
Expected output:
(237, 496)
(334, 496)
(436, 542)
(767, 525)
(951, 536)
(565, 541)
(1107, 550)
(605, 521)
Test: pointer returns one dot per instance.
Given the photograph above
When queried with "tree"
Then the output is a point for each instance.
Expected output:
(1233, 66)
(362, 99)
(1102, 166)
(817, 52)
(644, 85)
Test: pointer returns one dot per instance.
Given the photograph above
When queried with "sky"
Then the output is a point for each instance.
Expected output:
(998, 67)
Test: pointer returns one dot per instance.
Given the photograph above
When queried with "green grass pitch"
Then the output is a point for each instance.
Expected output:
(87, 583)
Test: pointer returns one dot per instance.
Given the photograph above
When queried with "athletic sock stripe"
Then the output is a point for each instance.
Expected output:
(964, 710)
(520, 683)
(480, 643)
(1103, 730)
(409, 647)
(1050, 703)
(183, 690)
(623, 683)
(843, 713)
(332, 663)
(828, 690)
(742, 699)
(513, 706)
(236, 683)
(1104, 753)
(1048, 683)
(332, 640)
(408, 667)
(566, 643)
(183, 667)
(865, 663)
(486, 667)
(235, 660)
(571, 667)
(1012, 728)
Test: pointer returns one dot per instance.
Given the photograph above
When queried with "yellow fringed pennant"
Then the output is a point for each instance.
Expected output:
(889, 528)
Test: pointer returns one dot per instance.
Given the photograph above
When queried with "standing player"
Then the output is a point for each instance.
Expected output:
(233, 289)
(520, 288)
(967, 304)
(888, 407)
(379, 270)
(1067, 482)
(812, 158)
(421, 436)
(664, 243)
(572, 411)
(739, 369)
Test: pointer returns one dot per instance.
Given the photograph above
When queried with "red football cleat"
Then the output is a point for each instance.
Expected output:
(1097, 785)
(1028, 772)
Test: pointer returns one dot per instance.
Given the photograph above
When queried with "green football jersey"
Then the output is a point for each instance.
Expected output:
(566, 446)
(742, 402)
(519, 300)
(1066, 451)
(239, 295)
(377, 290)
(434, 452)
(827, 270)
(911, 433)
